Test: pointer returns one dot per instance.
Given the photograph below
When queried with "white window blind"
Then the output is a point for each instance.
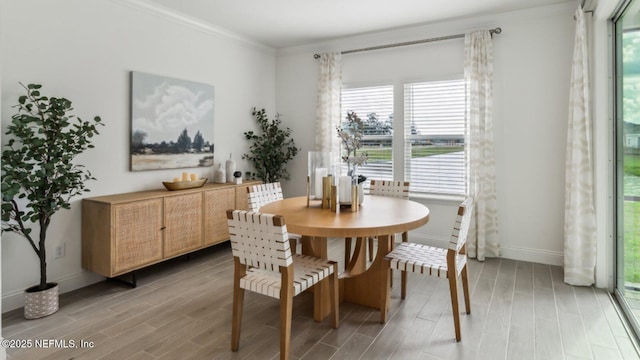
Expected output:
(435, 120)
(374, 105)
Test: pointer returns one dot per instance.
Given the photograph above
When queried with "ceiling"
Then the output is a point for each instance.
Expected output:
(287, 23)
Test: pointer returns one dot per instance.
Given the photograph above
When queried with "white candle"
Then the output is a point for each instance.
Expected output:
(320, 173)
(185, 176)
(344, 189)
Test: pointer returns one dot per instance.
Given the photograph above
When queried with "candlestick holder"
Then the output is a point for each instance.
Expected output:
(334, 198)
(327, 181)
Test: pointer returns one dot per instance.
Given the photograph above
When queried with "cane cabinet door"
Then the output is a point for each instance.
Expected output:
(138, 237)
(216, 204)
(183, 223)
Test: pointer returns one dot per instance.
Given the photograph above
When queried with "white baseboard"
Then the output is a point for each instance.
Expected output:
(533, 255)
(15, 299)
(513, 253)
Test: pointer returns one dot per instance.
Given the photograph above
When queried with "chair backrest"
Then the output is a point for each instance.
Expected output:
(397, 189)
(262, 194)
(259, 240)
(461, 226)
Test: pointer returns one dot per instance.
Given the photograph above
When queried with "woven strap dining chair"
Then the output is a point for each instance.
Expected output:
(262, 194)
(448, 263)
(397, 189)
(264, 263)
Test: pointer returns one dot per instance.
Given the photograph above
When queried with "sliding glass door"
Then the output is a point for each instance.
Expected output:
(627, 100)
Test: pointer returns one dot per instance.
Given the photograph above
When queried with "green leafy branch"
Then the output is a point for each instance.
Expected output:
(270, 149)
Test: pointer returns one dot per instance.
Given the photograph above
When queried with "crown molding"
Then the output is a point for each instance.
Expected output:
(166, 13)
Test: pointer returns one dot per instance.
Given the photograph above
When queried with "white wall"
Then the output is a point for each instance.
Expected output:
(84, 51)
(532, 61)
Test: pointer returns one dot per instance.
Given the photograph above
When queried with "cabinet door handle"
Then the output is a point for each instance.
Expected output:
(162, 228)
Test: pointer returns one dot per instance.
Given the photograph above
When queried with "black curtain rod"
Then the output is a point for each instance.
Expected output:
(449, 37)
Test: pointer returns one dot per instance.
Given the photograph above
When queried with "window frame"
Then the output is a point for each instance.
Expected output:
(398, 137)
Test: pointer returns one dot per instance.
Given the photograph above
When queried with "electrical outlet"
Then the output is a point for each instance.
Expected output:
(60, 251)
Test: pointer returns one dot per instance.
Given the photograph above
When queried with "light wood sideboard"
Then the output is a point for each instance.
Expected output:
(125, 232)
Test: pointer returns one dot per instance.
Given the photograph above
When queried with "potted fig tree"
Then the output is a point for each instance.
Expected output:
(39, 178)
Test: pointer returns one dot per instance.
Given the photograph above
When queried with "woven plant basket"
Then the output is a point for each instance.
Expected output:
(41, 303)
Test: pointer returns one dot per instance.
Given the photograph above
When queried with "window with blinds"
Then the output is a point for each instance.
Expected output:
(374, 105)
(434, 144)
(434, 149)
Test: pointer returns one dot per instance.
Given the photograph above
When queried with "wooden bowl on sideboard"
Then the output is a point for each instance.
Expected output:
(182, 185)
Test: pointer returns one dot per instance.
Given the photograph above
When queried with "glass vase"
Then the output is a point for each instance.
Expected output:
(319, 165)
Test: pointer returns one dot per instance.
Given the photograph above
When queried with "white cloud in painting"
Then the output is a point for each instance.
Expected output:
(169, 109)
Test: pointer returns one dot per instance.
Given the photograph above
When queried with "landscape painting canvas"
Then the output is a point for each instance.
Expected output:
(171, 123)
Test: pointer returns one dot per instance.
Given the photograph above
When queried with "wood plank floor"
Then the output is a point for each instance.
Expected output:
(182, 310)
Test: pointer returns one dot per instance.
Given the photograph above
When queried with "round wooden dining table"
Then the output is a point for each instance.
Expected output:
(378, 216)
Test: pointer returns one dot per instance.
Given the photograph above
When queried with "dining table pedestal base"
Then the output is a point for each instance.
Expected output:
(358, 284)
(364, 288)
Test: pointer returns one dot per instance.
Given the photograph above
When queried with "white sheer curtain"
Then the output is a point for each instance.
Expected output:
(328, 107)
(579, 213)
(481, 181)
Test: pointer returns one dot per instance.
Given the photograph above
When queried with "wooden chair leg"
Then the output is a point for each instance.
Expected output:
(286, 309)
(403, 285)
(334, 293)
(453, 289)
(293, 243)
(238, 300)
(465, 281)
(385, 293)
(285, 326)
(465, 289)
(405, 238)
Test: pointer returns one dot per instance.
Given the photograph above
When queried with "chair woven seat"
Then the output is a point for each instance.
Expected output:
(423, 259)
(307, 271)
